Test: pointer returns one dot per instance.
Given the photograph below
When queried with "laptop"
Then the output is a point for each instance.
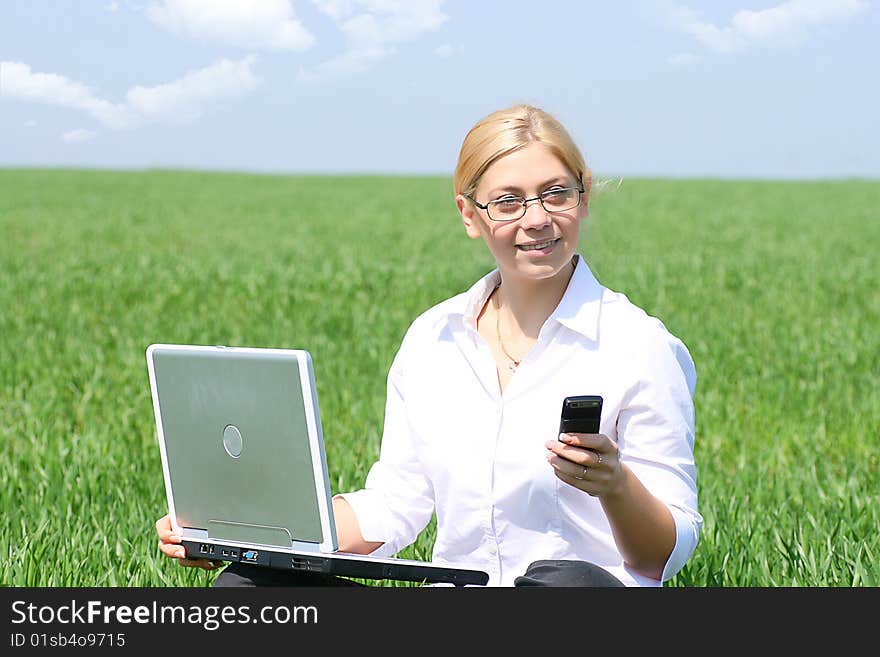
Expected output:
(245, 469)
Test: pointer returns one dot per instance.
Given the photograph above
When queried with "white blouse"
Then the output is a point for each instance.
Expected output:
(452, 443)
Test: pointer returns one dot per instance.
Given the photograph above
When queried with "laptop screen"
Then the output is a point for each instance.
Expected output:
(242, 444)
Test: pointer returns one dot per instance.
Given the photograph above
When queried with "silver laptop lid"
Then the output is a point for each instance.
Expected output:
(242, 447)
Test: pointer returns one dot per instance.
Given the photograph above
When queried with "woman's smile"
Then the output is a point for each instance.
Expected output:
(537, 249)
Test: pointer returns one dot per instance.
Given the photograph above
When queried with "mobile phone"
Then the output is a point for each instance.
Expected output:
(580, 414)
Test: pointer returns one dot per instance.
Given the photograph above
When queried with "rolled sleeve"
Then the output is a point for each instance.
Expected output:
(370, 509)
(687, 533)
(397, 500)
(656, 438)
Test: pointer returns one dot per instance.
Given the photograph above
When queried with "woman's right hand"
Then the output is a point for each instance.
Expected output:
(169, 545)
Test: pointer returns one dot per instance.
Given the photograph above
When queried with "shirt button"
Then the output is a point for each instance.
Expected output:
(493, 549)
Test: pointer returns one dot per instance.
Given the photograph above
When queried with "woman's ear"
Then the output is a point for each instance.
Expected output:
(583, 210)
(586, 196)
(468, 217)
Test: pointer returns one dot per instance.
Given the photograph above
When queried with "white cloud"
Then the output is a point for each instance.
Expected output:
(391, 21)
(786, 24)
(78, 135)
(252, 24)
(185, 99)
(18, 81)
(374, 27)
(178, 101)
(336, 9)
(352, 61)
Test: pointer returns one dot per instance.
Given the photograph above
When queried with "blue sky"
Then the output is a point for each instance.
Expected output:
(763, 89)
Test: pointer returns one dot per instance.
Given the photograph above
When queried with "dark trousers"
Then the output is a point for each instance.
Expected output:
(539, 573)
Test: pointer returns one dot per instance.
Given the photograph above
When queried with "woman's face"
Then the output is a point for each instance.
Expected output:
(526, 173)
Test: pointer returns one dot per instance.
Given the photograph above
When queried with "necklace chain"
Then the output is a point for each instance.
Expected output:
(514, 363)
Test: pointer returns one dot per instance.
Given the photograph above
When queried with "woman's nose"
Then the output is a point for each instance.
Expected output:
(536, 216)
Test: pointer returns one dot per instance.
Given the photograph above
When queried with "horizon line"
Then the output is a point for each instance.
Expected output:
(600, 179)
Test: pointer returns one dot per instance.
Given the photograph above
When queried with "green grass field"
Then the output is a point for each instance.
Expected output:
(774, 287)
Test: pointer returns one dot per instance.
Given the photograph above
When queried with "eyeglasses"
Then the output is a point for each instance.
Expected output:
(511, 207)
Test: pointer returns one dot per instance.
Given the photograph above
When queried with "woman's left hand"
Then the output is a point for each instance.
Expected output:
(588, 461)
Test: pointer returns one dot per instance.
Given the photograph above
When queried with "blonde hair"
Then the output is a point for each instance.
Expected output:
(504, 131)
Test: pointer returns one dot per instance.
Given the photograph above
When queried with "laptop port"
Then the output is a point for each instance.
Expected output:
(203, 548)
(225, 553)
(250, 555)
(304, 563)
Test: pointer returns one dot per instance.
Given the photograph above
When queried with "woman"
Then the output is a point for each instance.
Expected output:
(475, 393)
